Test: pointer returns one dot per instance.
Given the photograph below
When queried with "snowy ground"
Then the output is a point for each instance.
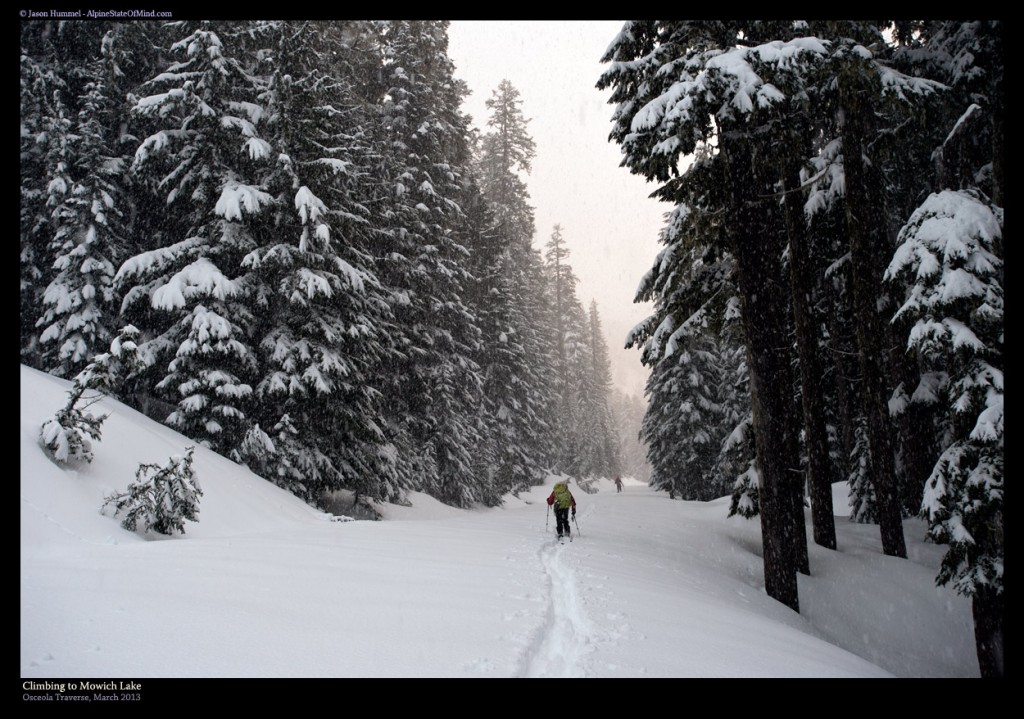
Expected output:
(265, 586)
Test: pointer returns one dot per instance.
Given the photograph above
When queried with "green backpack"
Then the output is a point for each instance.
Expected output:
(562, 496)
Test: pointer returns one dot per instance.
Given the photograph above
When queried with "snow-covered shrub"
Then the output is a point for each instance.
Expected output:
(161, 498)
(68, 435)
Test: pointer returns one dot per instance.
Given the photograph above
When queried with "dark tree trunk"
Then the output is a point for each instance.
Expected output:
(989, 608)
(819, 475)
(866, 227)
(842, 351)
(755, 235)
(917, 437)
(998, 148)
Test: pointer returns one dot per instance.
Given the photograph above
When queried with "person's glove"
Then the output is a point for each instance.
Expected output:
(574, 511)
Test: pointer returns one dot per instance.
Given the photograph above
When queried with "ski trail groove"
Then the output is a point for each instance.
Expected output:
(566, 636)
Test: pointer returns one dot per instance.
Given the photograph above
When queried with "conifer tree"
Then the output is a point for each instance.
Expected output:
(87, 241)
(950, 267)
(628, 412)
(697, 424)
(200, 162)
(161, 499)
(321, 324)
(69, 434)
(570, 345)
(44, 159)
(601, 447)
(681, 86)
(873, 165)
(490, 305)
(950, 257)
(436, 382)
(517, 357)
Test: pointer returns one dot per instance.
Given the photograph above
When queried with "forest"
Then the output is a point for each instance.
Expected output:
(321, 272)
(283, 239)
(829, 299)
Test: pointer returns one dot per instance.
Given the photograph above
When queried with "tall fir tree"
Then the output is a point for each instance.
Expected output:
(201, 163)
(600, 444)
(323, 318)
(517, 355)
(680, 87)
(570, 343)
(950, 266)
(628, 413)
(437, 383)
(45, 125)
(88, 240)
(950, 256)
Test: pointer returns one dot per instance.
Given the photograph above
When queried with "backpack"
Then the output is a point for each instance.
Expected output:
(562, 495)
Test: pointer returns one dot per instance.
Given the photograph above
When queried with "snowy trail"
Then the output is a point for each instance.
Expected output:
(566, 635)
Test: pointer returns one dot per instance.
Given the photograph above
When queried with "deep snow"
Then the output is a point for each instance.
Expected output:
(266, 586)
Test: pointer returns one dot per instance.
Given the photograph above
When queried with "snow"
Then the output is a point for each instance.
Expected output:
(266, 586)
(235, 196)
(201, 278)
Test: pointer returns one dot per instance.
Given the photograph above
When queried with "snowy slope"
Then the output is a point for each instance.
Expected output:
(265, 586)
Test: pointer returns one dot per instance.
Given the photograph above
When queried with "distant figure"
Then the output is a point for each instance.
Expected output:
(618, 484)
(562, 500)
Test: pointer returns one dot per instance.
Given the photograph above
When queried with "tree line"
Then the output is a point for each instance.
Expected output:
(829, 298)
(330, 275)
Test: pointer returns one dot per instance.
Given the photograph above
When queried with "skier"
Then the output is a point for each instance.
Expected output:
(618, 484)
(562, 500)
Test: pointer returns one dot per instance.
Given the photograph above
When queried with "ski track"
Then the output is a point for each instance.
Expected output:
(566, 636)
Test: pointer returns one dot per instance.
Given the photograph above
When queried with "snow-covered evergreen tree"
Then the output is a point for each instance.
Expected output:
(160, 499)
(697, 427)
(86, 243)
(951, 262)
(201, 164)
(69, 434)
(951, 257)
(600, 444)
(77, 212)
(320, 325)
(571, 341)
(517, 355)
(436, 385)
(687, 87)
(628, 413)
(44, 159)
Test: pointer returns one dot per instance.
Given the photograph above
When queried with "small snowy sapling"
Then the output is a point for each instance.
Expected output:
(68, 434)
(161, 498)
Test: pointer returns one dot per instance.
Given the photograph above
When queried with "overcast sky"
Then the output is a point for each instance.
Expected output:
(609, 223)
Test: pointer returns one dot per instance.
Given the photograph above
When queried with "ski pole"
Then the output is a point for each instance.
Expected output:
(576, 523)
(547, 515)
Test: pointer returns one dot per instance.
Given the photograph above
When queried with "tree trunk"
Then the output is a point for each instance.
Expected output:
(918, 446)
(988, 608)
(819, 475)
(998, 148)
(866, 228)
(756, 243)
(841, 347)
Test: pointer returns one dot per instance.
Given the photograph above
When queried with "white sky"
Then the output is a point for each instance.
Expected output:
(265, 586)
(608, 222)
